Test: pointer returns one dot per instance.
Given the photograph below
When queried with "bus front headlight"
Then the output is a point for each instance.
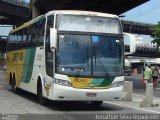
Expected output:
(118, 84)
(62, 82)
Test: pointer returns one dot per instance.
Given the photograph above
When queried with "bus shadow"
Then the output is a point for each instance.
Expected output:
(82, 106)
(70, 105)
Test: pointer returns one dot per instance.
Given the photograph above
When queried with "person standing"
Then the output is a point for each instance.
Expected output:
(155, 76)
(148, 74)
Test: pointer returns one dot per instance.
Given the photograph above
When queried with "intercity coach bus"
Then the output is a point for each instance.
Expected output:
(68, 55)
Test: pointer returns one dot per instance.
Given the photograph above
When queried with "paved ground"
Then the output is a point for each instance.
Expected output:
(137, 86)
(26, 106)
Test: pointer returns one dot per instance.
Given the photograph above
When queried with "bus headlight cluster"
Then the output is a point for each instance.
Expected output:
(62, 82)
(118, 84)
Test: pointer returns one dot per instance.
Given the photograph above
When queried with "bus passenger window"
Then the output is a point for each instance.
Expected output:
(49, 53)
(41, 25)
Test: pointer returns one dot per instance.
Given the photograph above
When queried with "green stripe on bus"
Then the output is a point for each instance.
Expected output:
(28, 23)
(102, 82)
(28, 65)
(38, 19)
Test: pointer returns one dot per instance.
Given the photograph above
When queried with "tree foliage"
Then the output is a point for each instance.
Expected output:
(156, 34)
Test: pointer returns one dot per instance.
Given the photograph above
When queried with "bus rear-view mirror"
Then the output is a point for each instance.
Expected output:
(53, 38)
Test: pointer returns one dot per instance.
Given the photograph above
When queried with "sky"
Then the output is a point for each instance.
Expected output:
(148, 12)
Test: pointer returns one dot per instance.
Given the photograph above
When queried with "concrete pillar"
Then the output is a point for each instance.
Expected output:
(35, 12)
(127, 90)
(148, 100)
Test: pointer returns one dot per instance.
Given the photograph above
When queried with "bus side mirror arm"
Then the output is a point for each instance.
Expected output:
(53, 39)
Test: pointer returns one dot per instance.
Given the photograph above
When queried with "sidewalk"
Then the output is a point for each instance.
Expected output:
(135, 104)
(1, 87)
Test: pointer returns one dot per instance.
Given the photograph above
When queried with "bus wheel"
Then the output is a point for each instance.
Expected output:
(96, 103)
(13, 86)
(42, 100)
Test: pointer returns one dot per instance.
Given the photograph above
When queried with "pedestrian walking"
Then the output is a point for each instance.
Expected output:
(148, 74)
(155, 74)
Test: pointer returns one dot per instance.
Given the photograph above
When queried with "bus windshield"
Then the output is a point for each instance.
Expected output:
(88, 24)
(89, 55)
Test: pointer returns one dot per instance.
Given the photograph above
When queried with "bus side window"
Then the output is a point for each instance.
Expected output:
(24, 38)
(19, 39)
(28, 41)
(49, 54)
(10, 41)
(15, 41)
(41, 26)
(33, 35)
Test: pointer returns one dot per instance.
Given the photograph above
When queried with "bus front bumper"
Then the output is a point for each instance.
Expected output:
(70, 93)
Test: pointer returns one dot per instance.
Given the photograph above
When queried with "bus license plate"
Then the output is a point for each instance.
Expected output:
(91, 94)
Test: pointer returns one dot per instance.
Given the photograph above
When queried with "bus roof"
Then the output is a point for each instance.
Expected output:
(80, 12)
(75, 12)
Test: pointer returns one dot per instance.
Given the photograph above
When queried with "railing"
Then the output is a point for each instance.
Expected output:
(3, 37)
(17, 2)
(152, 47)
(136, 23)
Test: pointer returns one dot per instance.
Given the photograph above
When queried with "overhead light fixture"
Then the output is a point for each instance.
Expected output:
(2, 17)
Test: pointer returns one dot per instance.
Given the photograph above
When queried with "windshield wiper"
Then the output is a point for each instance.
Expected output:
(103, 67)
(101, 63)
(81, 67)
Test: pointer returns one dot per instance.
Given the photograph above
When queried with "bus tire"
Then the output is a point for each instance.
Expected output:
(41, 99)
(13, 85)
(96, 103)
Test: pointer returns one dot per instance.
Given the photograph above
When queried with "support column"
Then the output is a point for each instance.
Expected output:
(148, 100)
(35, 10)
(127, 90)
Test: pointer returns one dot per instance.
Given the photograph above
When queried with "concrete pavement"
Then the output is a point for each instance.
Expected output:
(26, 106)
(16, 104)
(135, 104)
(138, 87)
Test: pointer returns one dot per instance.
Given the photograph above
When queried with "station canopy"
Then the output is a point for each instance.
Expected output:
(108, 6)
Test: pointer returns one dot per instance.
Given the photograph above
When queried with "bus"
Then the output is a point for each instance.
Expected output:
(68, 55)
